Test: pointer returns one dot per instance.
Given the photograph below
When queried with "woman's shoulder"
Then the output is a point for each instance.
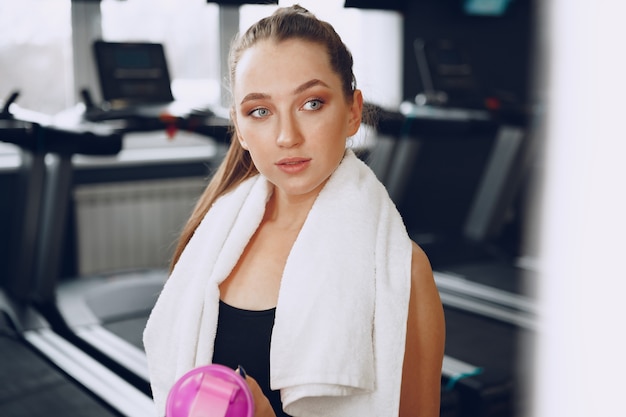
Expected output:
(423, 285)
(420, 265)
(425, 341)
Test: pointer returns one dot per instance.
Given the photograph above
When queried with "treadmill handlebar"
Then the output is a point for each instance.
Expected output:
(80, 140)
(17, 132)
(414, 120)
(36, 133)
(4, 113)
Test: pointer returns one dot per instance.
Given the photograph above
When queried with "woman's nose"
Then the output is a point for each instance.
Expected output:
(289, 134)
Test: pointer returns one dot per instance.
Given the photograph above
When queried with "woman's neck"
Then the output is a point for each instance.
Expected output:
(287, 212)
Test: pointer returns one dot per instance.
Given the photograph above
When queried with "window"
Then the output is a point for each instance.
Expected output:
(36, 53)
(36, 46)
(189, 31)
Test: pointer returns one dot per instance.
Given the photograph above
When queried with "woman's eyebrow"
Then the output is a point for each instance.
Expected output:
(301, 88)
(254, 96)
(312, 83)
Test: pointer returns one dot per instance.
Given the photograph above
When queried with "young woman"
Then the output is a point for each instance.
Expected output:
(295, 264)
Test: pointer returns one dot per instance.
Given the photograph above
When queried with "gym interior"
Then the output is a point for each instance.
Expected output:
(496, 133)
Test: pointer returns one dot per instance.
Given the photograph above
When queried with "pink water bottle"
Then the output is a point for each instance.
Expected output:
(210, 391)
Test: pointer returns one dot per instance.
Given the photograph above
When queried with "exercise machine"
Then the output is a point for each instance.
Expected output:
(103, 314)
(453, 174)
(41, 372)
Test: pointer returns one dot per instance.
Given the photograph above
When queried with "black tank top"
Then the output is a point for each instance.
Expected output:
(243, 338)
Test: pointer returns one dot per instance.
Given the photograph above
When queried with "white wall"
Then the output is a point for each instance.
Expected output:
(582, 342)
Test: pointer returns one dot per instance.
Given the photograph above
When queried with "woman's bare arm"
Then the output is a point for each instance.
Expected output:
(421, 372)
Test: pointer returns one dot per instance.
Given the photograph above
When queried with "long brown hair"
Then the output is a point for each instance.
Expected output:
(237, 166)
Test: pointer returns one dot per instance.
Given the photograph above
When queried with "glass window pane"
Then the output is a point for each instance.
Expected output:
(36, 53)
(189, 30)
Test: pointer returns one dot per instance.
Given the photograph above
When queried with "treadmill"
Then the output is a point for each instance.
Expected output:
(453, 173)
(104, 315)
(41, 374)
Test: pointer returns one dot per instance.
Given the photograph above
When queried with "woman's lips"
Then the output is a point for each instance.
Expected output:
(293, 165)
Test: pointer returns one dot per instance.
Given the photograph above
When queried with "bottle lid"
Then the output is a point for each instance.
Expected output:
(210, 391)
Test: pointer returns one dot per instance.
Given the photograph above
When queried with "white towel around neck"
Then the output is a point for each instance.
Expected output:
(338, 340)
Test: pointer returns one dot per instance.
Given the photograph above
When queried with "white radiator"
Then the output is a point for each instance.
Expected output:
(131, 225)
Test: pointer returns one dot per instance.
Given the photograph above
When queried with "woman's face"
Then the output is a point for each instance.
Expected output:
(290, 113)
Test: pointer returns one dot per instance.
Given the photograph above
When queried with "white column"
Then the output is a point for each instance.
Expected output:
(581, 359)
(86, 27)
(229, 27)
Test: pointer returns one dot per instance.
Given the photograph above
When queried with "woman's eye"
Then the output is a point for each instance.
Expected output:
(314, 104)
(260, 112)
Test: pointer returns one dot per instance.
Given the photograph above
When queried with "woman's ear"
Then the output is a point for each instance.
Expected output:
(356, 113)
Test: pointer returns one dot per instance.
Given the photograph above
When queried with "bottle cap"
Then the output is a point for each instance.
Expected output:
(210, 391)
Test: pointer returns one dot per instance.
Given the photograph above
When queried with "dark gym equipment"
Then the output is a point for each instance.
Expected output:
(104, 315)
(41, 373)
(453, 174)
